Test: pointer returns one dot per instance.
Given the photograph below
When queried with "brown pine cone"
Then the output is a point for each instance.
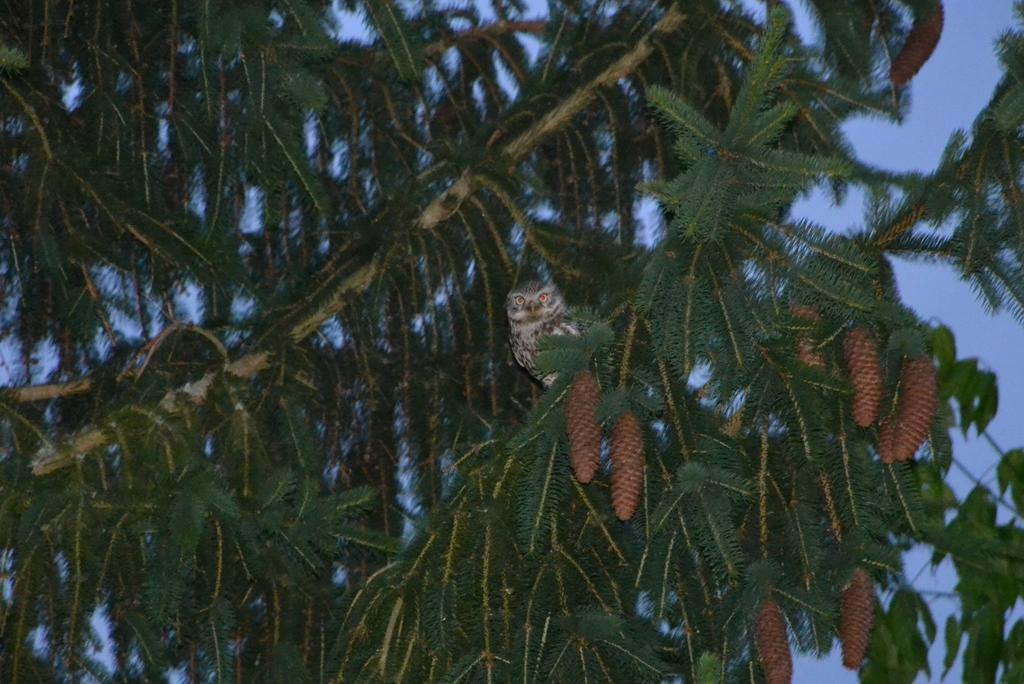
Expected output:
(919, 398)
(887, 440)
(865, 371)
(627, 453)
(581, 426)
(856, 617)
(920, 44)
(773, 644)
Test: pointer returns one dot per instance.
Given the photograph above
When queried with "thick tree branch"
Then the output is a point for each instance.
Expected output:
(450, 200)
(558, 117)
(356, 282)
(48, 391)
(49, 459)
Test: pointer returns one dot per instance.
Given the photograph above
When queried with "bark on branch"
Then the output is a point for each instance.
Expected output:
(48, 391)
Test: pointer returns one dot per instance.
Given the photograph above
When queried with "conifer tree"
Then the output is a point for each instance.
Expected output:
(259, 418)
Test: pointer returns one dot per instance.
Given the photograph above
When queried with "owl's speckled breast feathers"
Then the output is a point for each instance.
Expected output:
(535, 309)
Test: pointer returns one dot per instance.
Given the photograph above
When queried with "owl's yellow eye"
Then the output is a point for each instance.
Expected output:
(543, 298)
(520, 300)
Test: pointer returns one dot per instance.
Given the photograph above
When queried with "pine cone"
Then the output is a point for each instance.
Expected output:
(887, 440)
(865, 372)
(920, 44)
(627, 465)
(773, 644)
(582, 428)
(856, 617)
(919, 398)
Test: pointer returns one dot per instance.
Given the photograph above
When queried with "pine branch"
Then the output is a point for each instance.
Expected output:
(398, 39)
(48, 391)
(487, 32)
(570, 106)
(30, 111)
(48, 459)
(451, 199)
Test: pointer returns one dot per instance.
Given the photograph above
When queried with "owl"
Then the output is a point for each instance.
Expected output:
(535, 309)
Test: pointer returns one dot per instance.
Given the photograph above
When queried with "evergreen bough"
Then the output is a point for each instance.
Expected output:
(259, 411)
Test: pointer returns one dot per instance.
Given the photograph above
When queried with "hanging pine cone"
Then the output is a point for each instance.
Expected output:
(865, 371)
(919, 397)
(920, 44)
(582, 428)
(773, 644)
(856, 617)
(627, 465)
(887, 440)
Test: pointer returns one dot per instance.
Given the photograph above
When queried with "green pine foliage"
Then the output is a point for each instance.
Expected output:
(258, 408)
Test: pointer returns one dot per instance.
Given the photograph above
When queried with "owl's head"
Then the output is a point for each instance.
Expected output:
(533, 301)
